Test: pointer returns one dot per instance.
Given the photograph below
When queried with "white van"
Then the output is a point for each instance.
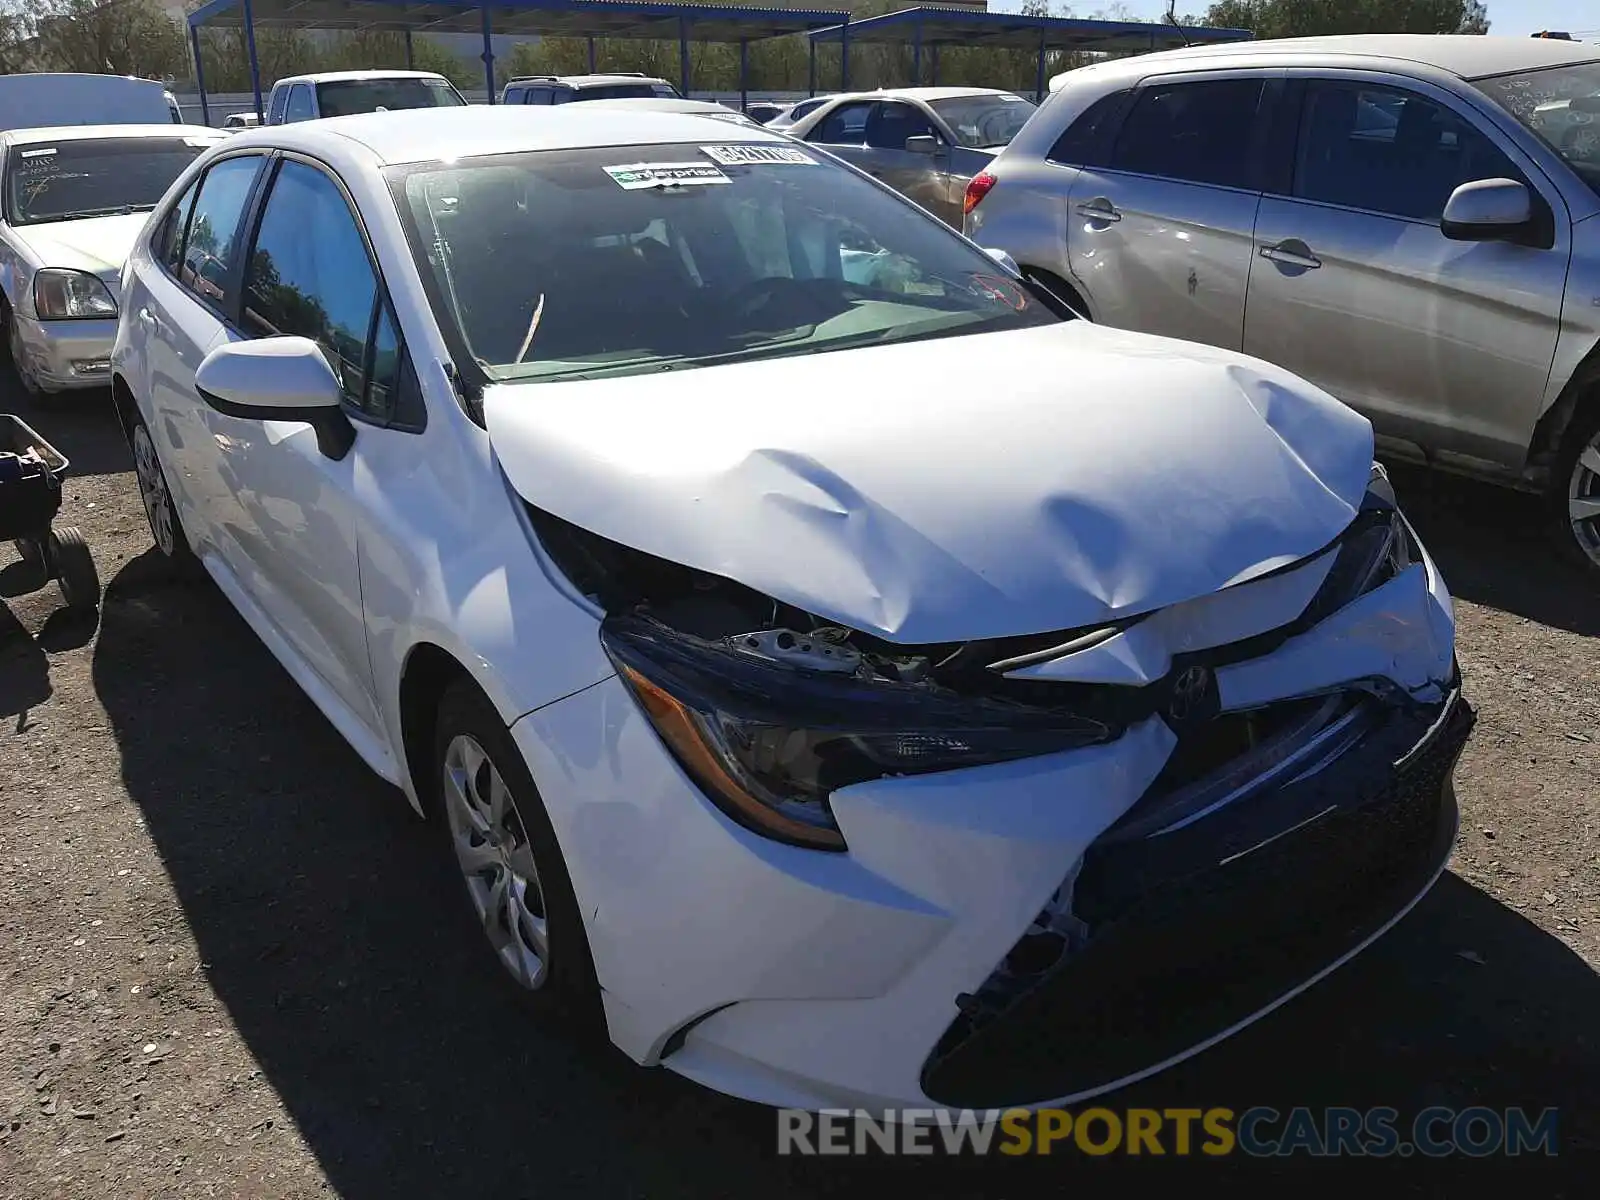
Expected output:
(54, 99)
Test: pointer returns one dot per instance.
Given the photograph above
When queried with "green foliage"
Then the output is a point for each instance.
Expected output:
(123, 37)
(1307, 18)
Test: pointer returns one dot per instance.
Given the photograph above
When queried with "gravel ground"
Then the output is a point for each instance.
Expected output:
(232, 966)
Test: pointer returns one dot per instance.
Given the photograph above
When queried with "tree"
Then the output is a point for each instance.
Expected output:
(1308, 18)
(119, 37)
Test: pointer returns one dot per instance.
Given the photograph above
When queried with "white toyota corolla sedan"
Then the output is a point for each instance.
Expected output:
(860, 681)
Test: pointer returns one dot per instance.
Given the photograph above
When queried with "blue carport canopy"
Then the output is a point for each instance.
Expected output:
(628, 19)
(936, 27)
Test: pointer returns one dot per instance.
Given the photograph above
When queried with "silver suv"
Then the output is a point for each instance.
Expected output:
(563, 89)
(1411, 222)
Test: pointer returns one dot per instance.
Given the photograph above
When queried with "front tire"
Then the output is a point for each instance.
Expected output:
(496, 829)
(1576, 495)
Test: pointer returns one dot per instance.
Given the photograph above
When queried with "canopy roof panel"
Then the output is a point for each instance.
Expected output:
(971, 27)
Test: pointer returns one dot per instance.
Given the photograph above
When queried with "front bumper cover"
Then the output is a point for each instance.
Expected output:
(60, 355)
(1193, 932)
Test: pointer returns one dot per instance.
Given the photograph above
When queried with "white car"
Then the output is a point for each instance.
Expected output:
(342, 93)
(676, 104)
(865, 694)
(74, 200)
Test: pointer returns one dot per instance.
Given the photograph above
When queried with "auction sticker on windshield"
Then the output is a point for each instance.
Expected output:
(758, 156)
(649, 175)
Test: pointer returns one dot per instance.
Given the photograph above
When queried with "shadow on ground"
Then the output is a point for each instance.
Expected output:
(1495, 548)
(334, 934)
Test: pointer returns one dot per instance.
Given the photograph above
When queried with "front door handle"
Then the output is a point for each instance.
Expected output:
(1292, 253)
(1099, 209)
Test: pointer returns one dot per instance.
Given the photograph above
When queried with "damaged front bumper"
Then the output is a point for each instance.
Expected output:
(906, 972)
(1182, 934)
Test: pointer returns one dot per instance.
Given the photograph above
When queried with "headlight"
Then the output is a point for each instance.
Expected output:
(1378, 545)
(61, 295)
(769, 743)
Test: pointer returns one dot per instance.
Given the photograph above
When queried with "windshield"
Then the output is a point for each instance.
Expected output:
(344, 97)
(581, 263)
(1562, 106)
(92, 177)
(984, 122)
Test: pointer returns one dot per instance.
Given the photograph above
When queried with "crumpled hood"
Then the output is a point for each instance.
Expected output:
(98, 245)
(969, 487)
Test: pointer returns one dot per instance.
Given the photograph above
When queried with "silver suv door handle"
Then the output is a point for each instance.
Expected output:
(1292, 253)
(1099, 210)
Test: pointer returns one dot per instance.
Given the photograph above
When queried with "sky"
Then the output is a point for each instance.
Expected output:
(1577, 17)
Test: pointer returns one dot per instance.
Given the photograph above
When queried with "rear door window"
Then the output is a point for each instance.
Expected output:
(1199, 131)
(211, 249)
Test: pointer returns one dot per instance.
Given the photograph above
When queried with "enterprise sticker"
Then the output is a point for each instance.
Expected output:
(633, 176)
(762, 156)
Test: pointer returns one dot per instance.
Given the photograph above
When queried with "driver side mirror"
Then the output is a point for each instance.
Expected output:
(1488, 210)
(923, 143)
(278, 379)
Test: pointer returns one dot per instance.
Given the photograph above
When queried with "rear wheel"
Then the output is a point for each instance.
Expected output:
(1577, 494)
(500, 836)
(165, 526)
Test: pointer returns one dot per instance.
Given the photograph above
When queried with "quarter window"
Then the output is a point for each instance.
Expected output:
(310, 276)
(211, 248)
(844, 126)
(1195, 132)
(168, 245)
(300, 104)
(1389, 151)
(280, 99)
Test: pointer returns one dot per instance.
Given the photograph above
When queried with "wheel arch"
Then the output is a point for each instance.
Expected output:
(1580, 396)
(124, 405)
(428, 670)
(1062, 287)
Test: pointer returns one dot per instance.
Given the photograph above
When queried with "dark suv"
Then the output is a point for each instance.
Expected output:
(563, 89)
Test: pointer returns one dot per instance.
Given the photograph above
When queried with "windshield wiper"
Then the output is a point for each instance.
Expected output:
(113, 210)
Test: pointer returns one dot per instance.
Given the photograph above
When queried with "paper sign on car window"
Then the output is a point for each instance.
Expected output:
(648, 175)
(38, 153)
(754, 156)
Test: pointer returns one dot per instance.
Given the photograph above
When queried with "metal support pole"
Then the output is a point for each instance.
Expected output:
(200, 76)
(488, 55)
(1038, 83)
(683, 56)
(410, 58)
(811, 69)
(591, 56)
(933, 51)
(255, 65)
(916, 53)
(844, 56)
(744, 74)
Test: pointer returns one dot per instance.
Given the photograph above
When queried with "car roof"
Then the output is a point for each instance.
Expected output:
(78, 133)
(664, 104)
(1465, 55)
(341, 76)
(430, 134)
(583, 81)
(927, 94)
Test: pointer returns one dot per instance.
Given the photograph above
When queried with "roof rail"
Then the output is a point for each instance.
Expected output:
(534, 79)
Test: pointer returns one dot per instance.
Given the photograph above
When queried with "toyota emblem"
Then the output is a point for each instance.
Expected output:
(1191, 695)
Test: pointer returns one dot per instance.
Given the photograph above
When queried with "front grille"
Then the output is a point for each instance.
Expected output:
(1191, 932)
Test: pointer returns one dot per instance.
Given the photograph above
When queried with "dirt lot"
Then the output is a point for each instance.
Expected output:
(231, 961)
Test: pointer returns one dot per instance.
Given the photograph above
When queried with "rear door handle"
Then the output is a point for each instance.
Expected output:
(1292, 253)
(1099, 210)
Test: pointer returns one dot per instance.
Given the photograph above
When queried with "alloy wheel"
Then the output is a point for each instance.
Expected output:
(1583, 500)
(496, 861)
(153, 492)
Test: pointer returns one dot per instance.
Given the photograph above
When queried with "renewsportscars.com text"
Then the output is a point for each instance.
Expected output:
(1477, 1132)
